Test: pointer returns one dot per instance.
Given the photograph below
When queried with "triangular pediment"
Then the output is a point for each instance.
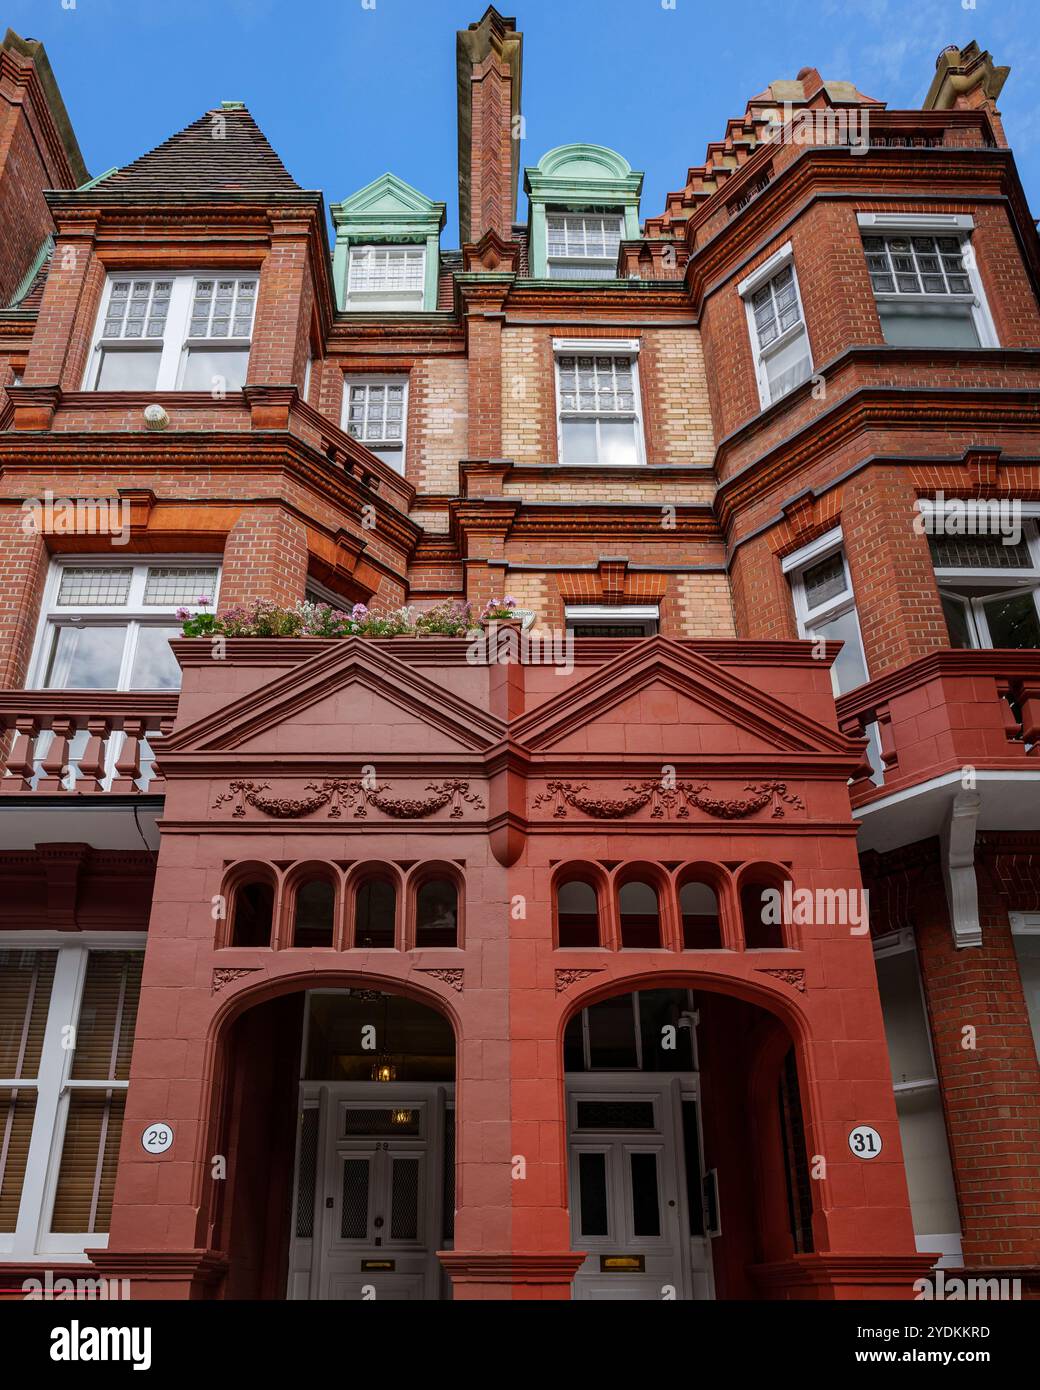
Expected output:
(386, 196)
(664, 698)
(351, 700)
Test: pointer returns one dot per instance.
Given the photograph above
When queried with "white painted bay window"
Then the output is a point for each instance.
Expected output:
(67, 1015)
(107, 625)
(776, 325)
(376, 413)
(597, 392)
(990, 588)
(160, 332)
(825, 605)
(925, 281)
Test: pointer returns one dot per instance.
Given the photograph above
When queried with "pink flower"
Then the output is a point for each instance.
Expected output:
(183, 614)
(204, 600)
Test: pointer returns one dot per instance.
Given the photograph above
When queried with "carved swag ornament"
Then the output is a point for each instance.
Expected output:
(668, 800)
(354, 797)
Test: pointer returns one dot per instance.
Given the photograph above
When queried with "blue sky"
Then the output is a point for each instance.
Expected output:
(345, 91)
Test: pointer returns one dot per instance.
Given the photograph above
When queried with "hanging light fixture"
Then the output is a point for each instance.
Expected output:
(383, 1068)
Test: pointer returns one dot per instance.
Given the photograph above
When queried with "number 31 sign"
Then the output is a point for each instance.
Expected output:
(864, 1141)
(157, 1138)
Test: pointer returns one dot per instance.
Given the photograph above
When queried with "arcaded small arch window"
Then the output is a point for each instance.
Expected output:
(761, 908)
(640, 915)
(699, 908)
(314, 915)
(252, 914)
(577, 914)
(437, 913)
(375, 915)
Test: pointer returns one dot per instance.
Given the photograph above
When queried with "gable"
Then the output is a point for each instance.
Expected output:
(661, 697)
(352, 697)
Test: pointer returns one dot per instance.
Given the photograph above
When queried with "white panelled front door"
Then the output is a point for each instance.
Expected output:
(369, 1209)
(636, 1192)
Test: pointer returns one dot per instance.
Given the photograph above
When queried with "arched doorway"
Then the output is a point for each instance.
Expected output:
(355, 1194)
(687, 1164)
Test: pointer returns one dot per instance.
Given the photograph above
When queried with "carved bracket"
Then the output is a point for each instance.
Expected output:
(455, 979)
(227, 975)
(794, 978)
(566, 978)
(668, 800)
(352, 797)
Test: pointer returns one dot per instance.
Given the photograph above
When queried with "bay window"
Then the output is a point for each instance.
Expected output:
(776, 325)
(597, 393)
(825, 606)
(926, 287)
(990, 589)
(159, 332)
(108, 626)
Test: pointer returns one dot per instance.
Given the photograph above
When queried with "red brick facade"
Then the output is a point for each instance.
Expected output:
(713, 752)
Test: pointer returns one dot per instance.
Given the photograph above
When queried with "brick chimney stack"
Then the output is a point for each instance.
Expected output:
(38, 150)
(967, 79)
(489, 58)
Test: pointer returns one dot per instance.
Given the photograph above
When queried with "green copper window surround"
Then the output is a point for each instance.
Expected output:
(387, 213)
(580, 179)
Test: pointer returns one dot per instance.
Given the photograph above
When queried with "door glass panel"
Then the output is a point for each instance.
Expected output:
(615, 1114)
(86, 658)
(404, 1199)
(1013, 621)
(646, 1206)
(308, 1173)
(354, 1217)
(592, 1189)
(380, 1121)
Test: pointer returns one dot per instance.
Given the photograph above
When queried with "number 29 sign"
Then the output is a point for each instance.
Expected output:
(157, 1138)
(864, 1141)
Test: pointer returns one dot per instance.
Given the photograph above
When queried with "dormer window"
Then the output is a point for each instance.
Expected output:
(173, 333)
(583, 245)
(386, 277)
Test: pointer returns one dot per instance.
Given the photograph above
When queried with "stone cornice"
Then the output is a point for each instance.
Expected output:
(186, 452)
(875, 407)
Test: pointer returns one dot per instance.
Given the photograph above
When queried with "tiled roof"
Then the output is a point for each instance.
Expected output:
(224, 151)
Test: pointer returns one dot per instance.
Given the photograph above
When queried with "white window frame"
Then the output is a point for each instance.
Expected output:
(584, 614)
(402, 301)
(609, 266)
(351, 379)
(134, 613)
(592, 347)
(175, 344)
(746, 289)
(794, 566)
(32, 1240)
(997, 583)
(960, 225)
(945, 1243)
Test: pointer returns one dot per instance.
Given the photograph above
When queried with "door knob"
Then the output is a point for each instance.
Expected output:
(378, 1223)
